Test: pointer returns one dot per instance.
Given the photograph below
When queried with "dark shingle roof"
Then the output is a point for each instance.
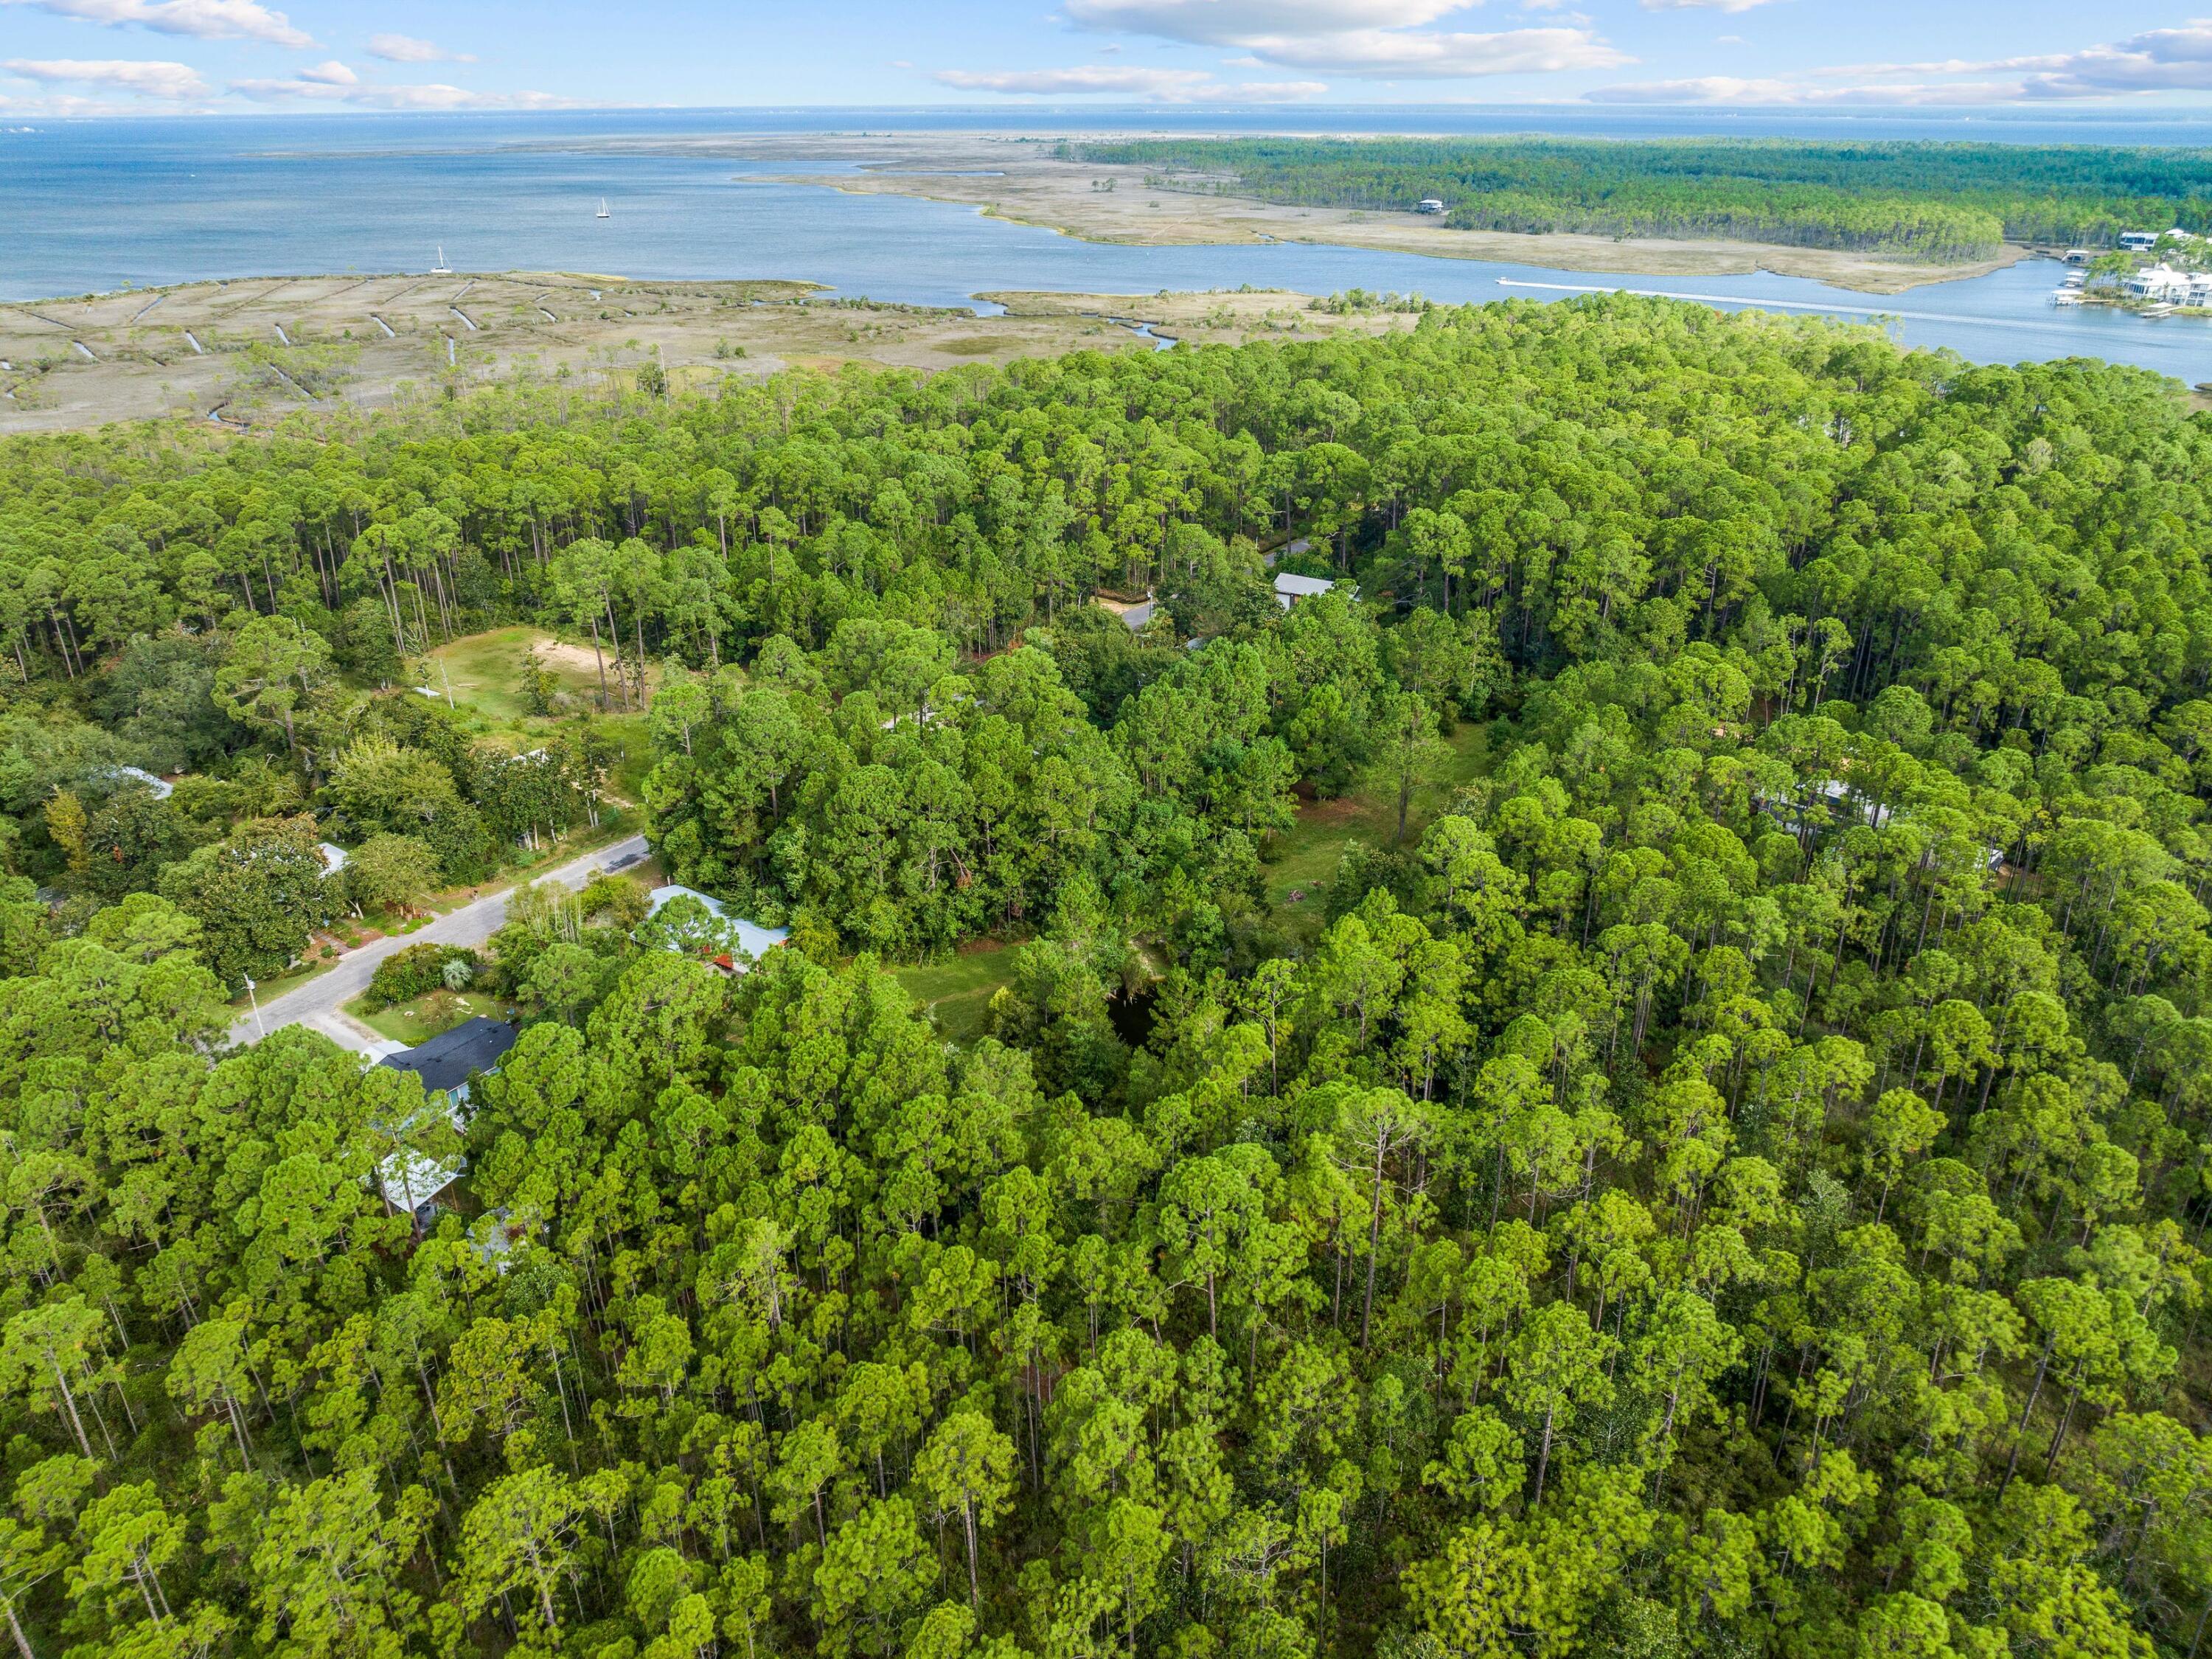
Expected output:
(446, 1062)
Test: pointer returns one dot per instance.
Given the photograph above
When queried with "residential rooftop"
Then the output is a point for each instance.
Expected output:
(448, 1062)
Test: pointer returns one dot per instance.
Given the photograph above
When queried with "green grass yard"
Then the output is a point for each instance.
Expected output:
(484, 674)
(432, 1014)
(1304, 859)
(484, 670)
(958, 990)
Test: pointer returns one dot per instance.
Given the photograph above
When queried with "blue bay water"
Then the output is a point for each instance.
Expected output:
(92, 206)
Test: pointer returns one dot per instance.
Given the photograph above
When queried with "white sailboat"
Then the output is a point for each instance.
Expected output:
(441, 269)
(603, 213)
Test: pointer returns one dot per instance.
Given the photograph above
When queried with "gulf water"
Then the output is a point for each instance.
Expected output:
(89, 206)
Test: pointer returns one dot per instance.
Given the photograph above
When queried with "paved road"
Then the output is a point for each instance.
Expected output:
(317, 1002)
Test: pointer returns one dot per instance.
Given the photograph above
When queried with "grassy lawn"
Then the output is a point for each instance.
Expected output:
(1304, 859)
(429, 1015)
(958, 991)
(484, 670)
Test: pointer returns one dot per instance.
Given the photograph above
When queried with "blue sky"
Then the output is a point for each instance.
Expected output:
(100, 57)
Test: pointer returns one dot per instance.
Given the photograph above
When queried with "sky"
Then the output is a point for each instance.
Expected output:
(62, 58)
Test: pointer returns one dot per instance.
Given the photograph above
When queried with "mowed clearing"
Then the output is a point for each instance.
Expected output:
(484, 674)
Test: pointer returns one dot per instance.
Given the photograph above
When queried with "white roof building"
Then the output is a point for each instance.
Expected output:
(2163, 283)
(160, 788)
(756, 941)
(1288, 589)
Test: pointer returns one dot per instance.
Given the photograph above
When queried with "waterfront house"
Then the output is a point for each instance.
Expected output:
(2161, 283)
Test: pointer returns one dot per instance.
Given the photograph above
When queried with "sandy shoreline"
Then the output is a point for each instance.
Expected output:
(1017, 178)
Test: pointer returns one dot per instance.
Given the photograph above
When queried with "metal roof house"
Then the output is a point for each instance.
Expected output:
(160, 787)
(756, 941)
(2163, 283)
(1288, 589)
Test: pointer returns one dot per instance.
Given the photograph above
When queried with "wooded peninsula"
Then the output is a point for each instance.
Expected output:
(1582, 1022)
(1912, 200)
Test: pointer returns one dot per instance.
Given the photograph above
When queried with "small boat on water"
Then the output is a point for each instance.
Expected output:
(441, 269)
(603, 213)
(2066, 296)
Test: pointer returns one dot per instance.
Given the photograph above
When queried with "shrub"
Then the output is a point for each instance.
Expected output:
(408, 973)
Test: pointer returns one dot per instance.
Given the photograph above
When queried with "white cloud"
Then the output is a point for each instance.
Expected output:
(202, 19)
(147, 80)
(406, 49)
(1430, 54)
(67, 107)
(335, 83)
(2158, 60)
(2178, 59)
(1084, 78)
(1234, 22)
(1703, 5)
(1172, 86)
(1272, 92)
(1378, 38)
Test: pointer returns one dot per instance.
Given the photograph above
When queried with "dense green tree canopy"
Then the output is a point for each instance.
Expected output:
(1728, 1177)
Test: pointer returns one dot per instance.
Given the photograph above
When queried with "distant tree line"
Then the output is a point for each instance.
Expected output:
(1911, 200)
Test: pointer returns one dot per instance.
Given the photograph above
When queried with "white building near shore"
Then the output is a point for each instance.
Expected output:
(2164, 284)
